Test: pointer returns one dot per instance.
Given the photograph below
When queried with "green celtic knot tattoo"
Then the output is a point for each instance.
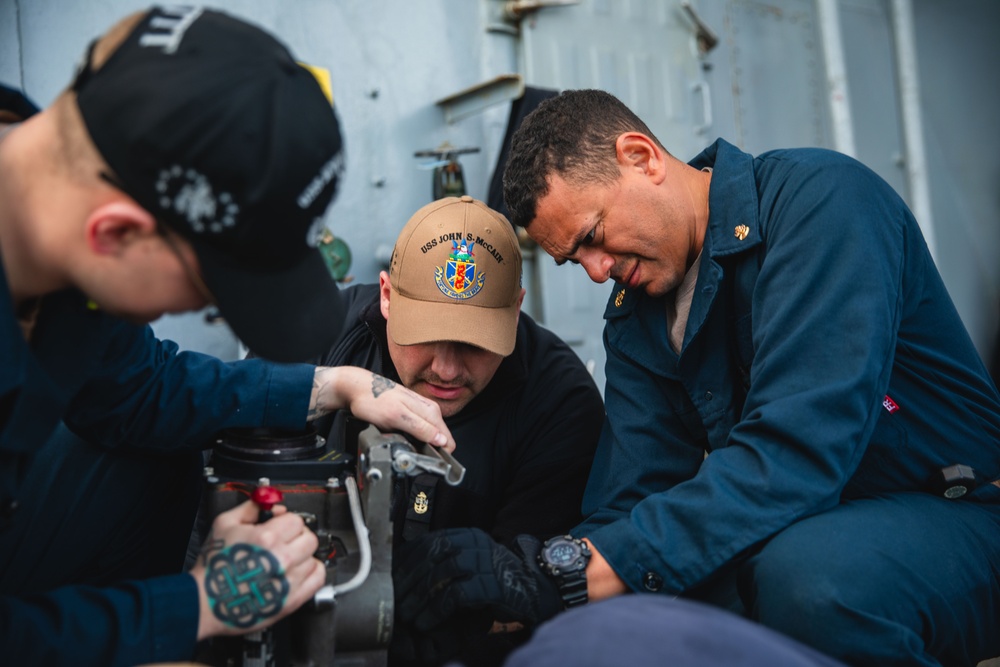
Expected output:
(245, 585)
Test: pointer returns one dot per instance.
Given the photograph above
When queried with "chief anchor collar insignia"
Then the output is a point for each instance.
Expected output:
(420, 503)
(459, 278)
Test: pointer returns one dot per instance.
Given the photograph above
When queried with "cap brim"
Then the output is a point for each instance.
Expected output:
(291, 315)
(412, 322)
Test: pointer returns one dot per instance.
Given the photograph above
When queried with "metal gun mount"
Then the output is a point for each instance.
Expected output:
(346, 500)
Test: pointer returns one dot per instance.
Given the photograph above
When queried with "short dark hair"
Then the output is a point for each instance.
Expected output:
(572, 134)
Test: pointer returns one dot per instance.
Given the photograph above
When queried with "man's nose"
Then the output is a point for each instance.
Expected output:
(597, 264)
(447, 362)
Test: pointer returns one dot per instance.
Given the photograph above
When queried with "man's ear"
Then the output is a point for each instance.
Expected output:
(384, 290)
(637, 151)
(112, 226)
(520, 300)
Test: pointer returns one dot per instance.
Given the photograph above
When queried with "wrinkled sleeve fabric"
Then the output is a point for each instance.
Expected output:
(826, 311)
(147, 394)
(133, 623)
(124, 388)
(130, 390)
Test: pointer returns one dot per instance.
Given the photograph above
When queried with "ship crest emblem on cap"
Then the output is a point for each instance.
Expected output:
(459, 278)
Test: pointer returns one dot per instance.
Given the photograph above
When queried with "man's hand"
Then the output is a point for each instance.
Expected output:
(457, 582)
(251, 575)
(377, 400)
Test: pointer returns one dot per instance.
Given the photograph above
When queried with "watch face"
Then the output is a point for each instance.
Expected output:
(562, 553)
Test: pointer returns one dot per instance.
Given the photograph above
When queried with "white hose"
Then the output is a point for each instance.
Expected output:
(329, 592)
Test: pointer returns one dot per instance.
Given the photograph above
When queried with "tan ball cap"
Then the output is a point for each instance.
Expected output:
(456, 276)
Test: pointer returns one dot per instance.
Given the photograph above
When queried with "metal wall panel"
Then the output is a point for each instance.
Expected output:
(770, 74)
(763, 86)
(960, 98)
(866, 27)
(643, 52)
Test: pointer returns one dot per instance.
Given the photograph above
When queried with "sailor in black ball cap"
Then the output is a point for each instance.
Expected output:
(191, 162)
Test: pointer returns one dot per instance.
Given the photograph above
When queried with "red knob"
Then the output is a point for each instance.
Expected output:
(266, 497)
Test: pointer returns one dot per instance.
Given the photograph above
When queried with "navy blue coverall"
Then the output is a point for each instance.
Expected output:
(62, 501)
(79, 526)
(815, 495)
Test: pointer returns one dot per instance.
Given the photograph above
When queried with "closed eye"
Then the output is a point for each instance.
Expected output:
(587, 239)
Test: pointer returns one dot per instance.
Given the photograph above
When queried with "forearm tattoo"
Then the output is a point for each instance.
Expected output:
(380, 385)
(245, 585)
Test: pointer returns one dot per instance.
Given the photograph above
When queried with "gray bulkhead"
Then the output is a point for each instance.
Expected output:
(910, 87)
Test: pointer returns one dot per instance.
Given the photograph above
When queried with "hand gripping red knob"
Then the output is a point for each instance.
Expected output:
(266, 497)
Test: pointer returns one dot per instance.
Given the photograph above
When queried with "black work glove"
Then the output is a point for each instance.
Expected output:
(452, 584)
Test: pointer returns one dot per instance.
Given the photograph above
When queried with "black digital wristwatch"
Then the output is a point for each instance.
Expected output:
(565, 558)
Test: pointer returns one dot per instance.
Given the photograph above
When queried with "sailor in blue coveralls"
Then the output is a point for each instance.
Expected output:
(798, 428)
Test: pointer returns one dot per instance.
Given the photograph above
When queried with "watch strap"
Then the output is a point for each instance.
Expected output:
(573, 588)
(571, 581)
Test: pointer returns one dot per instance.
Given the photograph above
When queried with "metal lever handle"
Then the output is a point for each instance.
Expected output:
(454, 472)
(432, 459)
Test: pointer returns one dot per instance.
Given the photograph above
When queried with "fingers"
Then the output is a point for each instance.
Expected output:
(501, 628)
(245, 513)
(449, 573)
(285, 533)
(298, 547)
(380, 401)
(428, 425)
(279, 553)
(283, 529)
(306, 578)
(392, 407)
(404, 409)
(294, 546)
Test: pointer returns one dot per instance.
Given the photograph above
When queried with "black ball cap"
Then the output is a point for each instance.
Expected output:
(211, 125)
